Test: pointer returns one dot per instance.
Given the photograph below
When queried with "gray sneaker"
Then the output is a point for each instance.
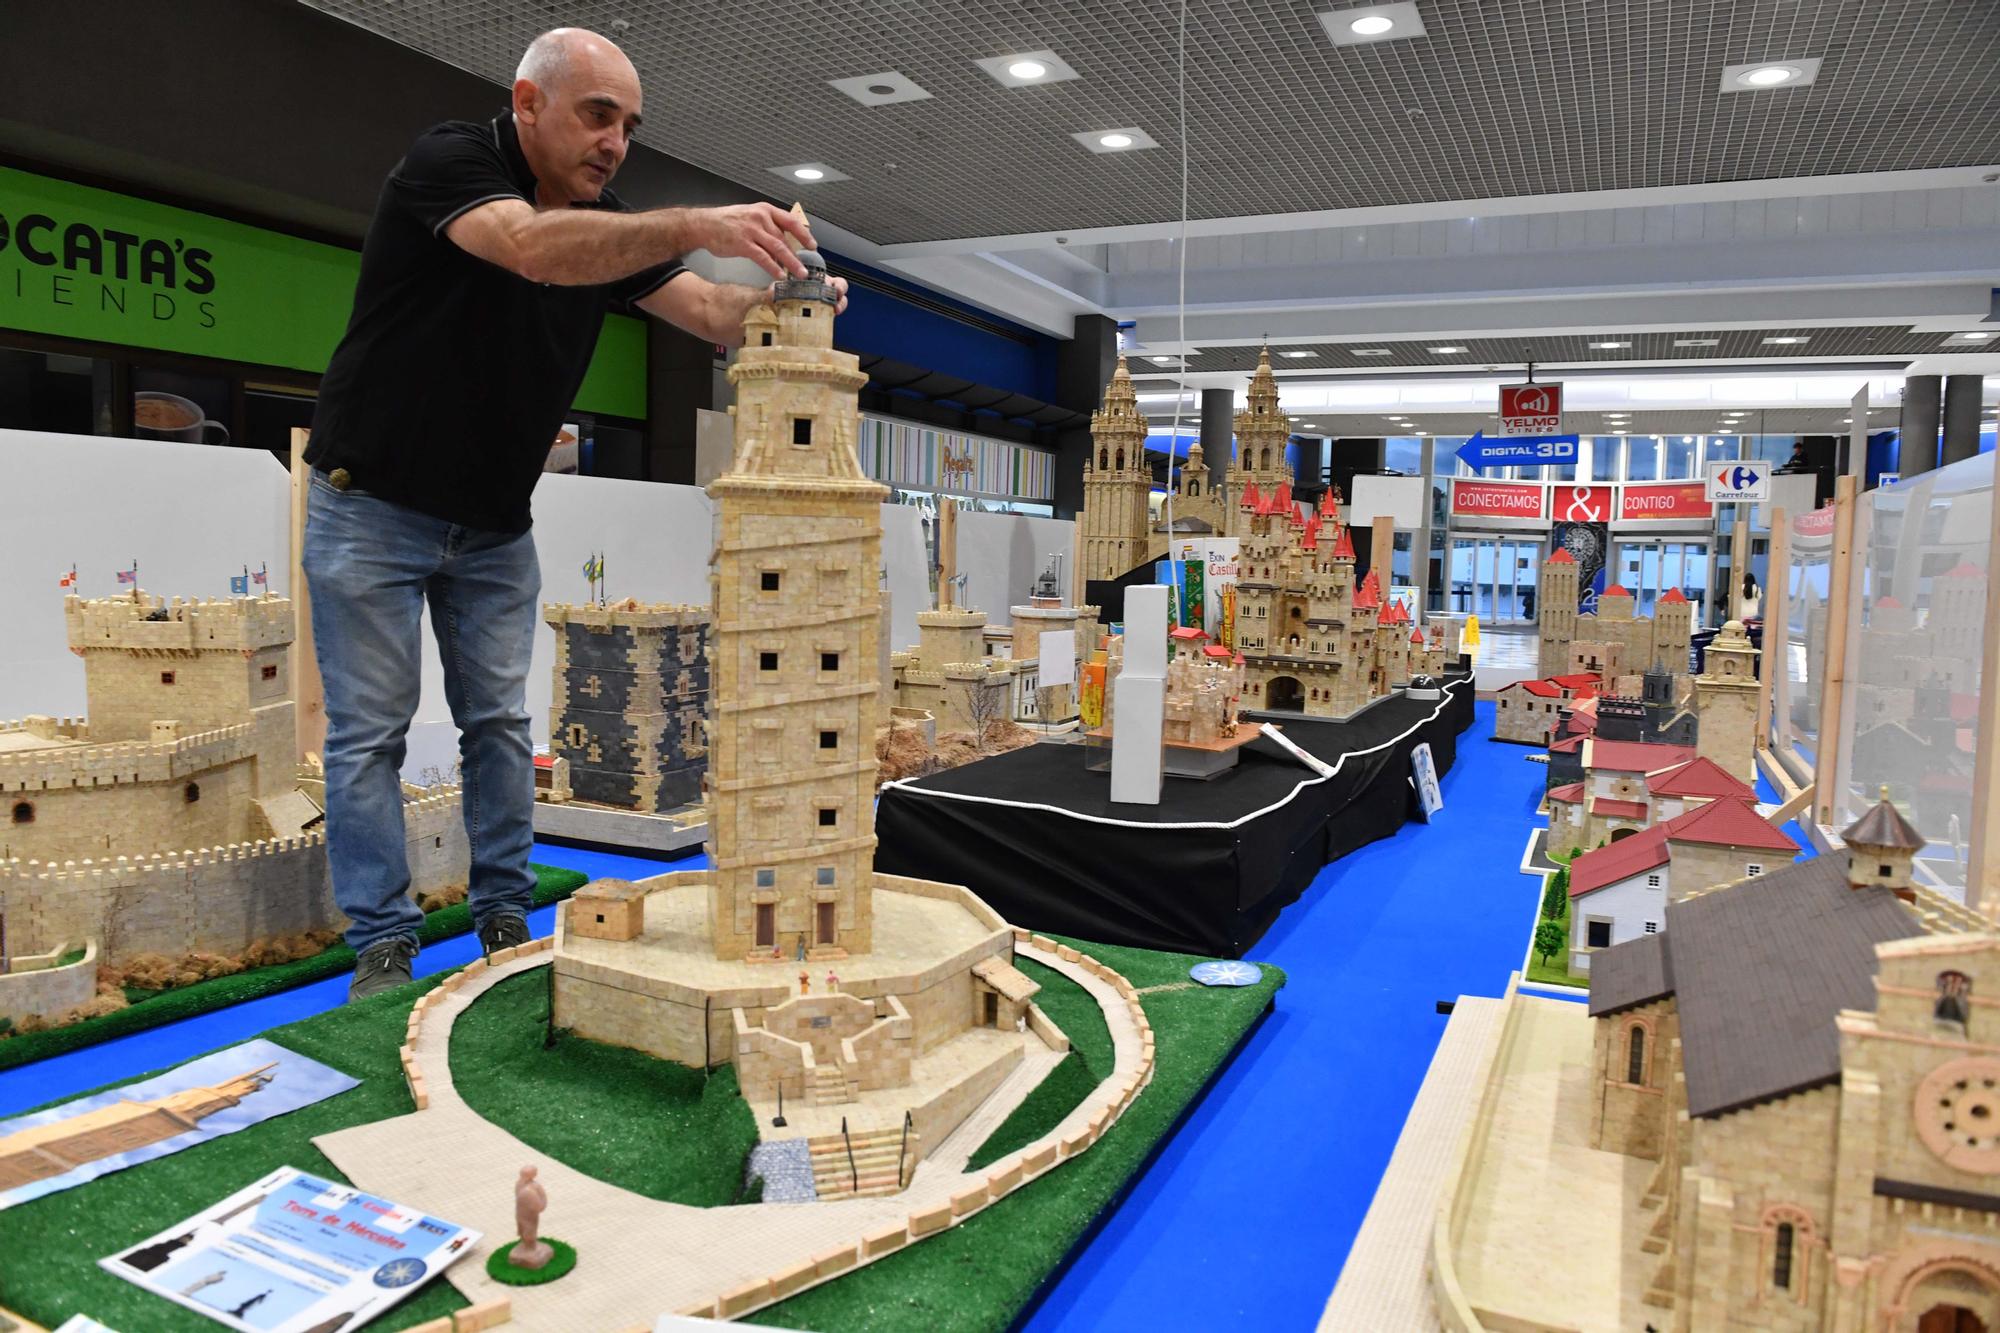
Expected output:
(503, 932)
(383, 965)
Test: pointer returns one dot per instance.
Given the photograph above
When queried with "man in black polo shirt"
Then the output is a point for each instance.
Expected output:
(495, 251)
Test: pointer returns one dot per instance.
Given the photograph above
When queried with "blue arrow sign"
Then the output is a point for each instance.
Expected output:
(1517, 450)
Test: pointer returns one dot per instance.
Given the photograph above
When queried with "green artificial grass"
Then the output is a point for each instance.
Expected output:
(976, 1276)
(153, 1009)
(980, 1274)
(500, 1269)
(1554, 974)
(52, 1245)
(654, 1127)
(1089, 1062)
(1555, 890)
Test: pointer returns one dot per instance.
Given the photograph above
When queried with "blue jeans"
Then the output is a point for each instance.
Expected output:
(371, 566)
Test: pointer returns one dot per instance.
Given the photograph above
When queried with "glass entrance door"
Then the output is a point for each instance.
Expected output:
(1648, 566)
(1494, 578)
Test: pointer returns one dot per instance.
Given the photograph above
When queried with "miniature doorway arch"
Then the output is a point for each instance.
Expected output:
(1285, 694)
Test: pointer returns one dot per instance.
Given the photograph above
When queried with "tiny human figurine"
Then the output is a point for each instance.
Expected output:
(530, 1251)
(805, 983)
(832, 982)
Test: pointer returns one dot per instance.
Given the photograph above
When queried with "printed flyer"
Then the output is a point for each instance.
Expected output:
(294, 1253)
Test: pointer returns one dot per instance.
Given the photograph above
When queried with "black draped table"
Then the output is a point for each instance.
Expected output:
(1208, 869)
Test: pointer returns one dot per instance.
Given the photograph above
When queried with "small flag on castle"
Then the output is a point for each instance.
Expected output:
(131, 575)
(68, 580)
(262, 578)
(240, 583)
(593, 569)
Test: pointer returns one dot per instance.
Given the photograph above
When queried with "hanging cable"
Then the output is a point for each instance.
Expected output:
(1174, 573)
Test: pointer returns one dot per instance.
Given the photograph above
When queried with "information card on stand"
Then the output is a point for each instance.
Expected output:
(294, 1253)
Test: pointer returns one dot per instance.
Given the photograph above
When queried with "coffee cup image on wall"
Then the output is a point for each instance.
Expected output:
(168, 416)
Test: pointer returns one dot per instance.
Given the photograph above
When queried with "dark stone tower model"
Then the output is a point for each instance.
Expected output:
(630, 702)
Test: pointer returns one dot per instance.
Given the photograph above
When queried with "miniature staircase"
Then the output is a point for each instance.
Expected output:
(830, 1086)
(876, 1152)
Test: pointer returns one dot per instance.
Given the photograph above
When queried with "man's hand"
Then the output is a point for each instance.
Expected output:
(757, 232)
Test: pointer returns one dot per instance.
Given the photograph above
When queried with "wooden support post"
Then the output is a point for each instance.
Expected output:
(1982, 877)
(308, 697)
(1382, 551)
(1839, 599)
(1739, 565)
(1777, 611)
(947, 550)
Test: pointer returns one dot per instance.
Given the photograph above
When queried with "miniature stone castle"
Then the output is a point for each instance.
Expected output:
(1204, 688)
(921, 1011)
(626, 720)
(1311, 639)
(1611, 642)
(177, 818)
(1262, 432)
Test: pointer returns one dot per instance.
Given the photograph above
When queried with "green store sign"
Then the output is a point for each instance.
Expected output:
(77, 262)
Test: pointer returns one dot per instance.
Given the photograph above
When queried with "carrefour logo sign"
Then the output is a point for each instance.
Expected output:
(1739, 483)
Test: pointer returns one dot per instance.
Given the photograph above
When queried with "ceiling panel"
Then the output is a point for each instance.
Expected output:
(1502, 98)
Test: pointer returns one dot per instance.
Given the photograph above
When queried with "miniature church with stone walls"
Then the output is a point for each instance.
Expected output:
(628, 712)
(790, 958)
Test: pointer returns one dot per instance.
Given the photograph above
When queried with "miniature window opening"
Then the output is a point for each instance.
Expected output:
(1652, 881)
(828, 816)
(768, 581)
(1753, 869)
(767, 339)
(767, 661)
(806, 313)
(271, 672)
(802, 430)
(1635, 1054)
(1781, 1257)
(829, 740)
(166, 678)
(766, 877)
(1652, 927)
(823, 877)
(191, 793)
(1884, 871)
(1954, 999)
(1598, 934)
(577, 736)
(829, 661)
(1120, 456)
(1103, 459)
(24, 812)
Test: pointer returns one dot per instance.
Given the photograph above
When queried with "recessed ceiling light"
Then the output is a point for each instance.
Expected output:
(810, 173)
(1295, 354)
(1847, 421)
(1617, 432)
(1161, 360)
(880, 89)
(1687, 439)
(1765, 75)
(1973, 337)
(1124, 140)
(1027, 69)
(1372, 23)
(1371, 351)
(1696, 342)
(1447, 351)
(1422, 433)
(1609, 346)
(1786, 341)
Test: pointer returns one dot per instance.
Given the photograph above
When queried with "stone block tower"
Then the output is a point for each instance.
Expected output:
(1117, 518)
(794, 654)
(631, 693)
(157, 670)
(1261, 436)
(1725, 703)
(1557, 603)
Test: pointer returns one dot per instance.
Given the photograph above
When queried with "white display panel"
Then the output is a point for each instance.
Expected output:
(1001, 556)
(1401, 498)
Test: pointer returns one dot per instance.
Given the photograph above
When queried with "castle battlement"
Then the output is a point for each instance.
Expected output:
(49, 728)
(630, 615)
(193, 858)
(116, 762)
(128, 624)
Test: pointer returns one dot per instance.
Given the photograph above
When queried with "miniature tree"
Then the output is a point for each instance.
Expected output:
(1555, 898)
(983, 706)
(1550, 938)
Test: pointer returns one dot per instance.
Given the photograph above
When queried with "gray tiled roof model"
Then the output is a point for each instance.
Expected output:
(1882, 825)
(1629, 974)
(1759, 971)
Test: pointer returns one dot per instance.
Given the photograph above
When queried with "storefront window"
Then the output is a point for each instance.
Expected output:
(1403, 455)
(54, 391)
(1722, 449)
(179, 405)
(1605, 454)
(1642, 456)
(1680, 458)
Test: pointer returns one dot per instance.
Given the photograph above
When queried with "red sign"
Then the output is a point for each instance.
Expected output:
(1531, 409)
(1580, 504)
(1497, 499)
(1673, 499)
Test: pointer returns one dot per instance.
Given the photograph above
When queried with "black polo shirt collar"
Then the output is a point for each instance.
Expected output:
(508, 136)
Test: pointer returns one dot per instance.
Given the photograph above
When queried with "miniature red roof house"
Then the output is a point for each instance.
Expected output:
(1619, 892)
(1615, 776)
(1528, 711)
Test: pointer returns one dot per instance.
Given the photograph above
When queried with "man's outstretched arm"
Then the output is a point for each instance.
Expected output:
(712, 311)
(581, 247)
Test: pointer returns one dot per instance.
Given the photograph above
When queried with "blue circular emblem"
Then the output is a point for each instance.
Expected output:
(399, 1273)
(1227, 974)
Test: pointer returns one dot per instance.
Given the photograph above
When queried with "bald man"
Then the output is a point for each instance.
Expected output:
(495, 251)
